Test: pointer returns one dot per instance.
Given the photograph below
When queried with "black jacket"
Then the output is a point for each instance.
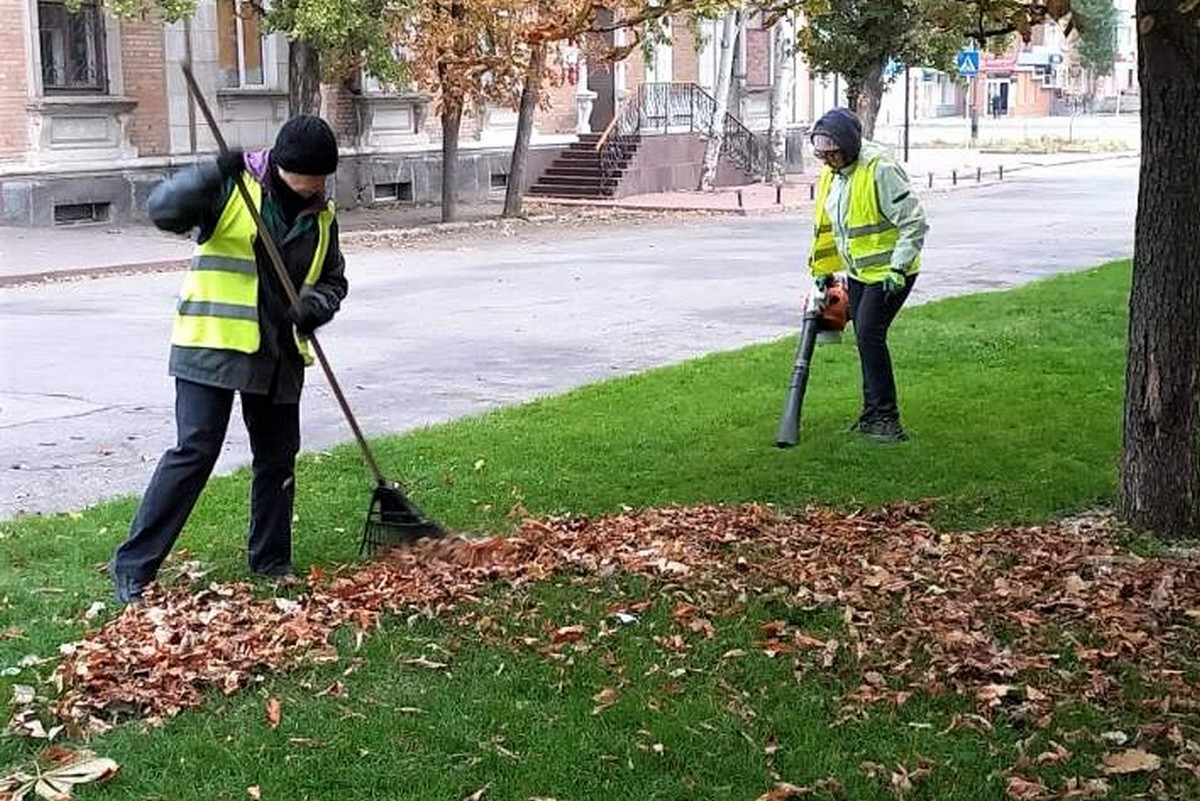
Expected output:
(195, 198)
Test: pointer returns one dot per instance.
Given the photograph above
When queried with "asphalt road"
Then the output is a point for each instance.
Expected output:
(459, 327)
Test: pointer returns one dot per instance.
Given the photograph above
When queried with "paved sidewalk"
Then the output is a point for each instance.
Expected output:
(34, 254)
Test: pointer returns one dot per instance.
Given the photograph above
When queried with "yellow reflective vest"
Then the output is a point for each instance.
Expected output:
(871, 237)
(218, 302)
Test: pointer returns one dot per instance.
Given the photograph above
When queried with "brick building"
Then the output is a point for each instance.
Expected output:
(94, 110)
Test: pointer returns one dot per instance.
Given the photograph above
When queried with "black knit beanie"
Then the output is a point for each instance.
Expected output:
(306, 146)
(844, 127)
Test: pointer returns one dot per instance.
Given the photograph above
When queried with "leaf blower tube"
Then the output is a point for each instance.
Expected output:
(825, 309)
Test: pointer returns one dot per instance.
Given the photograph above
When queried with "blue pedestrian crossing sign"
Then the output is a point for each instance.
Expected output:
(967, 62)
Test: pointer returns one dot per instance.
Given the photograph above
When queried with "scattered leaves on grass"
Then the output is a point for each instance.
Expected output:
(55, 775)
(1022, 620)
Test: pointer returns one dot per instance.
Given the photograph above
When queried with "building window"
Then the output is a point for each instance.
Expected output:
(241, 48)
(72, 45)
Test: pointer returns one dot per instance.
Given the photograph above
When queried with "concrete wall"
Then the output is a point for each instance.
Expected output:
(417, 177)
(672, 162)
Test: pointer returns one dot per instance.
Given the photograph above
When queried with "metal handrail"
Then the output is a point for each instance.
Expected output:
(675, 106)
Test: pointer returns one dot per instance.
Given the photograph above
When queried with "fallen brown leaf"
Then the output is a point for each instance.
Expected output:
(784, 790)
(1085, 789)
(1024, 789)
(274, 712)
(569, 634)
(1131, 760)
(604, 699)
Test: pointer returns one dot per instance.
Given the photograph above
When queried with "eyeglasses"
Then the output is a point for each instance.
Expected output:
(826, 155)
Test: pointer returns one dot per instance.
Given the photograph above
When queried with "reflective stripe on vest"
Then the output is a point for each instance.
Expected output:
(871, 237)
(218, 302)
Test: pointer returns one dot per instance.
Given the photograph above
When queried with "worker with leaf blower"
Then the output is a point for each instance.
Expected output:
(868, 222)
(235, 332)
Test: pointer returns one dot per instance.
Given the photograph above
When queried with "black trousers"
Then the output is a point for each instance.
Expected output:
(201, 419)
(872, 310)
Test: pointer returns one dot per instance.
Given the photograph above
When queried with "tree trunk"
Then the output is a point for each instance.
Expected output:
(1160, 460)
(731, 28)
(304, 79)
(869, 98)
(514, 192)
(452, 114)
(781, 93)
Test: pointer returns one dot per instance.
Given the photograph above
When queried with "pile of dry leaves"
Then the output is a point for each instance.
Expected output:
(1022, 619)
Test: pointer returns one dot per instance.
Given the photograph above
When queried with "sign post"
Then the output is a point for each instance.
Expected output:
(967, 64)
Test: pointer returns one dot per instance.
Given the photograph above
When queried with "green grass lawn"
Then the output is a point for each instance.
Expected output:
(1012, 400)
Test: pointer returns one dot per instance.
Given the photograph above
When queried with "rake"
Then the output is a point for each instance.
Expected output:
(393, 519)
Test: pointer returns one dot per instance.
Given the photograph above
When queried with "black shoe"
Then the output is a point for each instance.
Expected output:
(127, 589)
(884, 431)
(278, 572)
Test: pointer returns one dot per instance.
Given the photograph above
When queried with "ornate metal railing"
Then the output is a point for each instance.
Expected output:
(677, 108)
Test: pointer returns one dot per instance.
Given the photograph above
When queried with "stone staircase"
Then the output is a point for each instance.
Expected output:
(576, 173)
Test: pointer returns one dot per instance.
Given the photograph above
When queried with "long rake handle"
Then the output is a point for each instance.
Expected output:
(276, 259)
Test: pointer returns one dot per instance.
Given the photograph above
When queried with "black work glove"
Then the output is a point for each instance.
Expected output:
(822, 281)
(311, 314)
(231, 162)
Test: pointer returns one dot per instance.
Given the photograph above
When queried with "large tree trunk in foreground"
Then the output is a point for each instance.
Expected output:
(1160, 462)
(514, 192)
(304, 79)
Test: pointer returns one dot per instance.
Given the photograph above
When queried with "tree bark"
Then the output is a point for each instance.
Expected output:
(731, 28)
(515, 191)
(1160, 460)
(452, 114)
(781, 92)
(869, 98)
(304, 79)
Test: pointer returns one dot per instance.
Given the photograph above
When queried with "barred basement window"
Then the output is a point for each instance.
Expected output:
(72, 48)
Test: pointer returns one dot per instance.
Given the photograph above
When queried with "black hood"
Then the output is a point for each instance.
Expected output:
(844, 127)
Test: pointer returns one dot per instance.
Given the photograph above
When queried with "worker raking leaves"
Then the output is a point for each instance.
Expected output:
(236, 332)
